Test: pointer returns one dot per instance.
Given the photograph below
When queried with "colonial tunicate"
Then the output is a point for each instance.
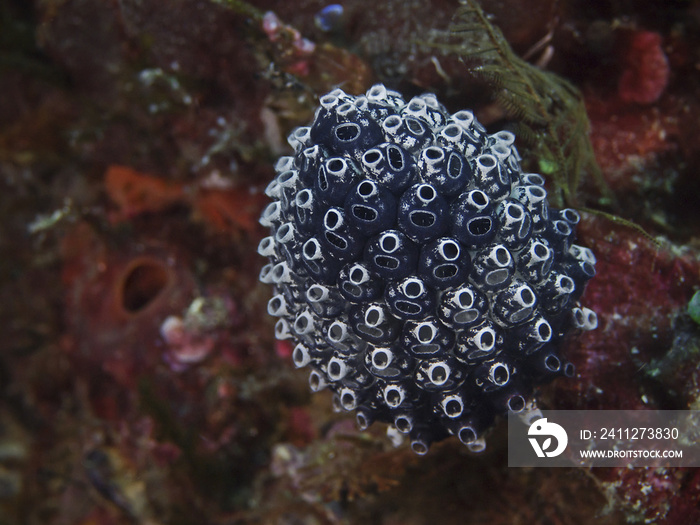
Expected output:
(421, 275)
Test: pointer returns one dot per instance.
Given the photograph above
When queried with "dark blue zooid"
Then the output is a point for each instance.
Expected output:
(420, 273)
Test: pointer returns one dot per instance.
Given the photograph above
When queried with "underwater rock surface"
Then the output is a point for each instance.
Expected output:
(139, 131)
(421, 274)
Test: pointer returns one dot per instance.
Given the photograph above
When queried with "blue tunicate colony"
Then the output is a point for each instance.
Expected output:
(420, 273)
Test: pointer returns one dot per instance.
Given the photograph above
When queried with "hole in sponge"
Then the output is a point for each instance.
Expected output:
(395, 158)
(422, 219)
(364, 213)
(480, 226)
(142, 284)
(347, 132)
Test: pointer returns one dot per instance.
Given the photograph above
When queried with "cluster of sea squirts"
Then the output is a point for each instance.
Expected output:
(420, 272)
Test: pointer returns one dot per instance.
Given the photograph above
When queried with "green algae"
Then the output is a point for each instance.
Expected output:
(548, 111)
(694, 307)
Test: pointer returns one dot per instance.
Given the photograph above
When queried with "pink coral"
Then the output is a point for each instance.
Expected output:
(646, 69)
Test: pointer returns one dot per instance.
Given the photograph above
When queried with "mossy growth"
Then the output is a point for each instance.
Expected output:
(547, 111)
(694, 307)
